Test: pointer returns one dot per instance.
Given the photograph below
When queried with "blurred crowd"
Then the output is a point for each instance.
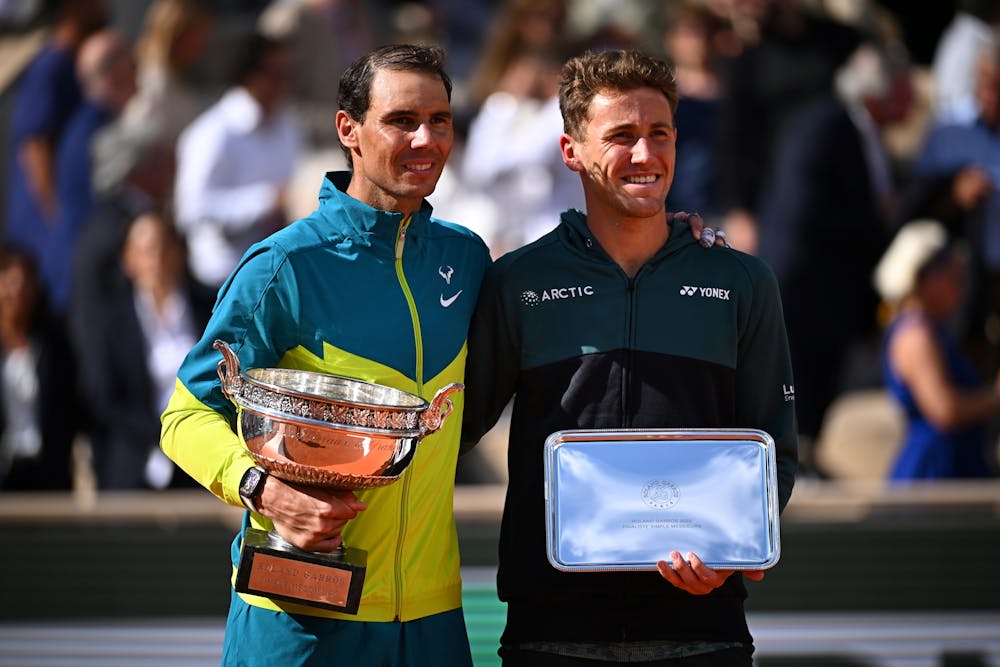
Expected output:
(148, 143)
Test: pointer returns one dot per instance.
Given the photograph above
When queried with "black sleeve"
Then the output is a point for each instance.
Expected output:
(765, 389)
(493, 362)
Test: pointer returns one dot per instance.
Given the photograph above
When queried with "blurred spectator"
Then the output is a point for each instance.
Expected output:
(956, 176)
(823, 222)
(922, 275)
(521, 26)
(744, 23)
(173, 37)
(612, 24)
(23, 34)
(951, 173)
(971, 31)
(794, 59)
(140, 332)
(106, 70)
(688, 42)
(463, 26)
(234, 163)
(325, 36)
(47, 95)
(134, 174)
(513, 184)
(134, 170)
(38, 407)
(512, 155)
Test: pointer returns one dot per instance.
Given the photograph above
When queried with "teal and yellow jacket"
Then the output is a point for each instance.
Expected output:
(368, 294)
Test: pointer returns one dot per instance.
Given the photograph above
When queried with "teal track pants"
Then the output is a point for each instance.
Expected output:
(258, 637)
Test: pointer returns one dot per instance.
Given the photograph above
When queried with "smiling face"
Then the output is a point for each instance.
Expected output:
(625, 155)
(400, 147)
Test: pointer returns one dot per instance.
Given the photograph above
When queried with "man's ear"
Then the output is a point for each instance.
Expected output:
(568, 149)
(347, 129)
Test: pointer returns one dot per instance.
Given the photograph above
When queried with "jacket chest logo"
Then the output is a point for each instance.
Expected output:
(705, 292)
(531, 298)
(447, 272)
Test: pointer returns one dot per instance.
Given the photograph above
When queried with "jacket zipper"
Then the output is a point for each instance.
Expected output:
(629, 364)
(629, 352)
(418, 342)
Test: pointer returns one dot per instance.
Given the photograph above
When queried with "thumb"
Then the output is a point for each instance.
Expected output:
(351, 500)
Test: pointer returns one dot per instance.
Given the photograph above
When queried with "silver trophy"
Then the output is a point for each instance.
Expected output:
(326, 431)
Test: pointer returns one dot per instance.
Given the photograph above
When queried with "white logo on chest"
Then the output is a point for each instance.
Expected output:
(706, 292)
(447, 272)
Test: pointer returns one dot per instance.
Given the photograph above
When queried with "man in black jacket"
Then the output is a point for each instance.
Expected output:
(619, 318)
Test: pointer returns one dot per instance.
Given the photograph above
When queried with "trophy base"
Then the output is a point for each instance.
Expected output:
(271, 567)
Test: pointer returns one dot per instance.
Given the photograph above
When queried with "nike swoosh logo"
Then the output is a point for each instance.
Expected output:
(450, 300)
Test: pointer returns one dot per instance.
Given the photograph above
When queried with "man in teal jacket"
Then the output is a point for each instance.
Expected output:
(616, 319)
(369, 286)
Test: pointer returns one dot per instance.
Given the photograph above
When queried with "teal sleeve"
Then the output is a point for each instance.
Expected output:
(257, 314)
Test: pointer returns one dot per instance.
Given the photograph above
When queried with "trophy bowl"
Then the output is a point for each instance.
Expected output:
(327, 430)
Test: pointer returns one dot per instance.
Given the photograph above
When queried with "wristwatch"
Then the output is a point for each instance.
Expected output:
(251, 486)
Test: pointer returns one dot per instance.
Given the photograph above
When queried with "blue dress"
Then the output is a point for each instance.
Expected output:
(927, 451)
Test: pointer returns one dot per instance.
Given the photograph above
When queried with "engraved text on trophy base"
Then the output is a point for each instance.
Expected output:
(295, 579)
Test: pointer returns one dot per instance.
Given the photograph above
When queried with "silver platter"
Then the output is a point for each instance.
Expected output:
(624, 499)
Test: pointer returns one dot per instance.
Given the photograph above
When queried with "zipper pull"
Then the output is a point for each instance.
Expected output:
(401, 237)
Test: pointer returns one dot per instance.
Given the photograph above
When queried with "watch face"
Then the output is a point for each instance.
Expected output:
(250, 481)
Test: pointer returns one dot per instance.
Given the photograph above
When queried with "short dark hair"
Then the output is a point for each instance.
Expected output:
(594, 72)
(354, 94)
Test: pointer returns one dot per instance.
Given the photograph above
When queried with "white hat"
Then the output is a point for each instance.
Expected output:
(914, 245)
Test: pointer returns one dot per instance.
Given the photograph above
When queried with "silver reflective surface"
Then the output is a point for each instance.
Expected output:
(317, 454)
(623, 500)
(334, 387)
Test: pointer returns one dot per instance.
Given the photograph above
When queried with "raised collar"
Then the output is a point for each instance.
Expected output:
(364, 224)
(578, 236)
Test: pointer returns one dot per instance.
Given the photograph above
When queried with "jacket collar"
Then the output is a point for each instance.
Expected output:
(353, 219)
(577, 235)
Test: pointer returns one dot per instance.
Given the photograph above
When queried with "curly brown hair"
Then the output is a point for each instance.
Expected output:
(595, 72)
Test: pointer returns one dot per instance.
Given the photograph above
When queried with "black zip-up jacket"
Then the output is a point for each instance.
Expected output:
(695, 340)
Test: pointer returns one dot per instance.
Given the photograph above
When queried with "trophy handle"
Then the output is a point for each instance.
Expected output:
(440, 407)
(228, 369)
